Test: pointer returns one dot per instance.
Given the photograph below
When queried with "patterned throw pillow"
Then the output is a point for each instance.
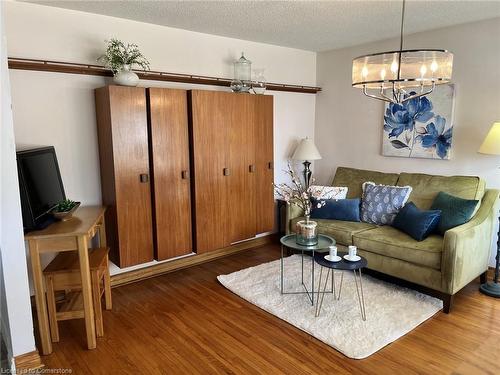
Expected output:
(328, 192)
(381, 203)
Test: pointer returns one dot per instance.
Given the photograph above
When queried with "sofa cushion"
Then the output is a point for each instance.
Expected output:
(336, 209)
(341, 231)
(390, 242)
(328, 192)
(381, 203)
(354, 179)
(454, 211)
(416, 223)
(426, 187)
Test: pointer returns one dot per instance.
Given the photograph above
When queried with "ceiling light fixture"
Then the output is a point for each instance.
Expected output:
(408, 74)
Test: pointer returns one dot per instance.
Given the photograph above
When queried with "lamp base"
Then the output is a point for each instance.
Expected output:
(490, 289)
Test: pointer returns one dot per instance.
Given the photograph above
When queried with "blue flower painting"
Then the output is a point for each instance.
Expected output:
(420, 127)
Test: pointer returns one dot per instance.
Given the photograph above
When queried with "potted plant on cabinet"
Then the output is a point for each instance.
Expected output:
(120, 58)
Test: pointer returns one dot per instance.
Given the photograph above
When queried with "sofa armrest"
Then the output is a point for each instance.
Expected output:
(467, 248)
(292, 211)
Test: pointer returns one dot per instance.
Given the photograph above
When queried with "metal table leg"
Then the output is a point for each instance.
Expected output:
(310, 293)
(319, 303)
(361, 297)
(281, 269)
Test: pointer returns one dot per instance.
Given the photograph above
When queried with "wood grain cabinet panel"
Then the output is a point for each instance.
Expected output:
(264, 203)
(241, 157)
(169, 144)
(124, 158)
(211, 113)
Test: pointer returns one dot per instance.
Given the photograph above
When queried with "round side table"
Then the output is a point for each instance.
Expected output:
(343, 265)
(290, 242)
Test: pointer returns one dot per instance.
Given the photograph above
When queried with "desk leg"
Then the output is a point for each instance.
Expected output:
(102, 234)
(88, 306)
(107, 279)
(41, 302)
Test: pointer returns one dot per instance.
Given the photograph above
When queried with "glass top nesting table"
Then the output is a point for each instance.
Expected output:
(343, 265)
(289, 241)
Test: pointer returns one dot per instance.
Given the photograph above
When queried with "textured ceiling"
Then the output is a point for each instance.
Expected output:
(309, 25)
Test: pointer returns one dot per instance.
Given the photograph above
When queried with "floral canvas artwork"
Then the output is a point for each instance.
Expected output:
(420, 127)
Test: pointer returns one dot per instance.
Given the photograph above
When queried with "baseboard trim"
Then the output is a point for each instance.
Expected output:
(28, 362)
(174, 265)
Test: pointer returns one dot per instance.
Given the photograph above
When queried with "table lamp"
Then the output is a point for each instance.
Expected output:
(491, 146)
(306, 150)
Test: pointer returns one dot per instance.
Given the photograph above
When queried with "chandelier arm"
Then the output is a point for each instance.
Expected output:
(421, 94)
(383, 97)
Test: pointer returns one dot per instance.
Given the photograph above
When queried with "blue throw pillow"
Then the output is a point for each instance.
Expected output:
(381, 203)
(336, 209)
(455, 211)
(416, 223)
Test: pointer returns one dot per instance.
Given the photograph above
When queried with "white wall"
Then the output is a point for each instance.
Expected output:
(349, 125)
(16, 307)
(58, 109)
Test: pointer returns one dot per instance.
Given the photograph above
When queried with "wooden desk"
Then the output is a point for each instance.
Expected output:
(74, 234)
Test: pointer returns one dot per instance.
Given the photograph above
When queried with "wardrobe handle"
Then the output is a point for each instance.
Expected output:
(226, 172)
(184, 175)
(144, 177)
(270, 165)
(251, 168)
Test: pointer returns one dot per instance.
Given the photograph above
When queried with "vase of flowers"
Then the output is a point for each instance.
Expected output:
(120, 58)
(300, 194)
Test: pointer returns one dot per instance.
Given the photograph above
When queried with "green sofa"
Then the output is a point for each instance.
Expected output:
(442, 265)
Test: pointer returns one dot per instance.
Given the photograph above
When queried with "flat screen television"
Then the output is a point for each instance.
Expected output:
(40, 185)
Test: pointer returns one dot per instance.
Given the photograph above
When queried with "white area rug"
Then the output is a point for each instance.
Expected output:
(392, 311)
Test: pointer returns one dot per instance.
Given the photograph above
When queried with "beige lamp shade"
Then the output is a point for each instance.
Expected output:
(306, 150)
(491, 144)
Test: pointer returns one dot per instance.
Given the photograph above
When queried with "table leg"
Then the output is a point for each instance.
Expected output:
(302, 274)
(361, 298)
(281, 269)
(318, 306)
(312, 279)
(41, 303)
(333, 285)
(319, 288)
(102, 234)
(88, 306)
(340, 287)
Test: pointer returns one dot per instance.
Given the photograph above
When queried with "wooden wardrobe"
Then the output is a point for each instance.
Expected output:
(183, 171)
(125, 184)
(232, 148)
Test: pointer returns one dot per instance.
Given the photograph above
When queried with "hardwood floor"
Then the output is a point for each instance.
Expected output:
(185, 322)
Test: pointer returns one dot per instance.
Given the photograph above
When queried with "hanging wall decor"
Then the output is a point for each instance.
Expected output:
(421, 127)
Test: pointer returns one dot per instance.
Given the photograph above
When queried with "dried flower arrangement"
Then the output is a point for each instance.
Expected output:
(298, 193)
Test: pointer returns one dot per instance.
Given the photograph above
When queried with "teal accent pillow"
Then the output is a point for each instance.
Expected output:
(455, 211)
(416, 223)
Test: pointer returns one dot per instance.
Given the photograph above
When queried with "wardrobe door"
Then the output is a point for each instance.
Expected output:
(211, 112)
(265, 210)
(124, 156)
(242, 181)
(169, 142)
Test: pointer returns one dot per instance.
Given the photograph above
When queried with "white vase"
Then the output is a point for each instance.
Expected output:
(126, 77)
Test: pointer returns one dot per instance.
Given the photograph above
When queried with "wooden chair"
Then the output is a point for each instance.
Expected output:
(63, 274)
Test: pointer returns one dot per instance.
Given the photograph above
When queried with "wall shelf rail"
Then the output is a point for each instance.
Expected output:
(99, 70)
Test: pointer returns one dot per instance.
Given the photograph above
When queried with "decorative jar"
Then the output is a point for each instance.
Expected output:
(258, 81)
(307, 232)
(242, 73)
